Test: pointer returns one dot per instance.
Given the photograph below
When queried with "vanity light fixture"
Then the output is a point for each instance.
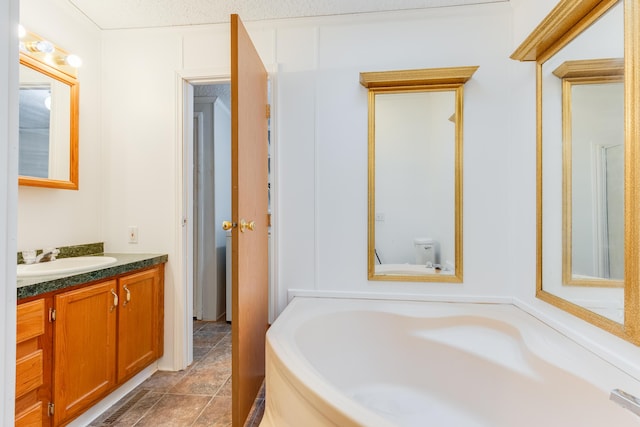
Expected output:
(46, 52)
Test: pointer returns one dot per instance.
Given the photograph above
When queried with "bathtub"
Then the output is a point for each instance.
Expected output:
(408, 270)
(356, 362)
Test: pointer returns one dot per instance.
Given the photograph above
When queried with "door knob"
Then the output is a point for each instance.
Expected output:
(251, 225)
(228, 225)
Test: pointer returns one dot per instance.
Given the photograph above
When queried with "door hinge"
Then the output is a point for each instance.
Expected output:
(52, 314)
(268, 111)
(51, 409)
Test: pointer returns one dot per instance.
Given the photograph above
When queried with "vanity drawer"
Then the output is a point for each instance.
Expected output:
(32, 417)
(29, 373)
(30, 320)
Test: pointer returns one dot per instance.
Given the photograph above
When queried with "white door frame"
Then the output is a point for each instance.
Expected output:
(183, 315)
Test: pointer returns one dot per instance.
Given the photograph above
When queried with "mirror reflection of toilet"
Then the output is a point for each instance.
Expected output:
(427, 251)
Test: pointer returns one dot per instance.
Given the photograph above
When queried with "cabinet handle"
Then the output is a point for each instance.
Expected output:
(128, 297)
(115, 300)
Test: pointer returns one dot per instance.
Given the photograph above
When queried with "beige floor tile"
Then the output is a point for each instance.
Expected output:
(207, 338)
(138, 410)
(219, 354)
(225, 390)
(199, 353)
(163, 380)
(203, 380)
(216, 414)
(175, 410)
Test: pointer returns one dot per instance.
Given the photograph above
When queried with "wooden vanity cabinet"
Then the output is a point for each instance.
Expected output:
(33, 363)
(103, 335)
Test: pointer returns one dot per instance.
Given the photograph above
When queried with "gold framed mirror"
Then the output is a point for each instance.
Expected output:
(415, 174)
(48, 116)
(593, 172)
(587, 161)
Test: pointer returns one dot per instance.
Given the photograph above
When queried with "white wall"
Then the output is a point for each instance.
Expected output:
(336, 146)
(56, 218)
(8, 202)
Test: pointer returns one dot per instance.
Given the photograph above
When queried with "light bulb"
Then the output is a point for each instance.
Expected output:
(74, 61)
(45, 46)
(21, 31)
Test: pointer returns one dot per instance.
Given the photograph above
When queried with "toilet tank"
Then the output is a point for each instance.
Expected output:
(426, 251)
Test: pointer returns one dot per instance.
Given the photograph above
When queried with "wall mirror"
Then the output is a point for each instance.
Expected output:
(48, 116)
(415, 174)
(587, 147)
(593, 174)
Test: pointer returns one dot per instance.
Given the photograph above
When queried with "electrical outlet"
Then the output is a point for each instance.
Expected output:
(133, 234)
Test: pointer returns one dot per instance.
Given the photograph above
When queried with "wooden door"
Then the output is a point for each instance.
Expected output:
(249, 202)
(85, 348)
(138, 321)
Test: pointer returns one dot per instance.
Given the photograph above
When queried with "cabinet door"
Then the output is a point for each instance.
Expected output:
(138, 340)
(84, 347)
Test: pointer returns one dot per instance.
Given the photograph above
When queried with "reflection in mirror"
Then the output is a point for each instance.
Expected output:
(45, 108)
(415, 149)
(48, 117)
(593, 191)
(587, 161)
(415, 174)
(582, 122)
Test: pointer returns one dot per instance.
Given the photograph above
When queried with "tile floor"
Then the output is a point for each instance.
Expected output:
(197, 396)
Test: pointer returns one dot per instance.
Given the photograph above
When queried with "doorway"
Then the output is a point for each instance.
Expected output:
(211, 183)
(192, 128)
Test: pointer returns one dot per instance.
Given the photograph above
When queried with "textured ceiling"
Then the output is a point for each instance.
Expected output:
(115, 14)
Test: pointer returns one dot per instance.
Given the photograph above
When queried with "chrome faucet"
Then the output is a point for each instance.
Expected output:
(48, 254)
(626, 400)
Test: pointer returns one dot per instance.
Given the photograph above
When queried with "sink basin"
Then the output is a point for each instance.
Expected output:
(64, 265)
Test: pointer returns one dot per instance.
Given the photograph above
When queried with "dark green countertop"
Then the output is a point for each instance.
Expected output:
(33, 286)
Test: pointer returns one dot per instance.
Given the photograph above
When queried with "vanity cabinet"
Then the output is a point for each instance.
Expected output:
(104, 334)
(75, 346)
(33, 363)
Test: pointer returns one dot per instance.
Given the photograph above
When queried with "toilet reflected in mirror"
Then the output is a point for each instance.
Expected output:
(427, 252)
